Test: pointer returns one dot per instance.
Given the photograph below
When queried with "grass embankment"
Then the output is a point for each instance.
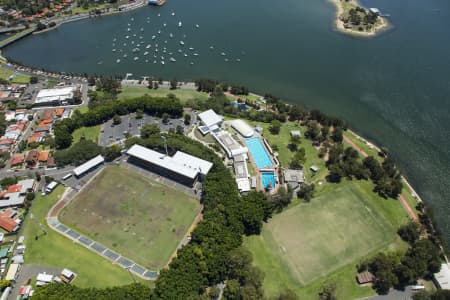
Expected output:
(55, 250)
(372, 151)
(16, 36)
(17, 77)
(133, 215)
(183, 95)
(89, 133)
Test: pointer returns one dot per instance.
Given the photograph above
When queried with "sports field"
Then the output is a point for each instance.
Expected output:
(311, 240)
(183, 95)
(127, 212)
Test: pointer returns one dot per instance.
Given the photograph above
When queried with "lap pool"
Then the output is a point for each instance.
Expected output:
(259, 153)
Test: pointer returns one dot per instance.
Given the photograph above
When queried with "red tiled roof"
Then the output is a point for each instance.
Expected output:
(7, 223)
(43, 156)
(15, 188)
(17, 159)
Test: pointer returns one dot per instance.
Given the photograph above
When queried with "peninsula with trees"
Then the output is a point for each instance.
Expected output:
(352, 18)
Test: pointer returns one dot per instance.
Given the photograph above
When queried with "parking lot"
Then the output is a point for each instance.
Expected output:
(111, 133)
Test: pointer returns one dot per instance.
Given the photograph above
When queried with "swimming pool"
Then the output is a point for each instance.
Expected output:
(258, 152)
(266, 178)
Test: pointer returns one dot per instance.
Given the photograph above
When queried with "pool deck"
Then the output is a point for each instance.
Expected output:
(274, 168)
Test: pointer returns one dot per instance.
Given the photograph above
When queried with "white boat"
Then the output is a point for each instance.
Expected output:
(171, 35)
(173, 14)
(118, 61)
(146, 60)
(165, 42)
(145, 53)
(211, 47)
(195, 54)
(114, 39)
(238, 59)
(125, 55)
(159, 31)
(226, 59)
(170, 53)
(132, 19)
(196, 26)
(124, 44)
(159, 15)
(134, 34)
(173, 59)
(179, 24)
(113, 50)
(162, 62)
(223, 54)
(164, 24)
(190, 48)
(148, 46)
(181, 43)
(142, 29)
(185, 55)
(179, 51)
(162, 57)
(153, 37)
(191, 63)
(129, 29)
(154, 61)
(136, 58)
(127, 37)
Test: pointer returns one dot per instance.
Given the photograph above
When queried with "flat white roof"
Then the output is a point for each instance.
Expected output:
(59, 94)
(12, 271)
(88, 165)
(242, 127)
(203, 166)
(243, 184)
(162, 160)
(44, 277)
(210, 118)
(443, 277)
(52, 185)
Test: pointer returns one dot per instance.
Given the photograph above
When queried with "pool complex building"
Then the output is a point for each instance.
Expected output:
(263, 162)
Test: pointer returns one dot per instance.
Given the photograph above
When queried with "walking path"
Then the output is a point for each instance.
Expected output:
(402, 199)
(114, 257)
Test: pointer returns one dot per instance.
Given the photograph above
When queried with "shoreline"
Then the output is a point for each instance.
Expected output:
(339, 25)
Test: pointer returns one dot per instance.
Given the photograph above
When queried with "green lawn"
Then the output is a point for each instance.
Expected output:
(55, 250)
(89, 133)
(309, 243)
(81, 10)
(133, 215)
(83, 109)
(18, 78)
(183, 95)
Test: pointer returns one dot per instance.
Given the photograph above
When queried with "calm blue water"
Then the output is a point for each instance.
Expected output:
(393, 89)
(268, 178)
(259, 153)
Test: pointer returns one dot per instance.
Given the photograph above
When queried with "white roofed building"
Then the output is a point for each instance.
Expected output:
(442, 277)
(181, 167)
(90, 164)
(210, 121)
(55, 96)
(242, 128)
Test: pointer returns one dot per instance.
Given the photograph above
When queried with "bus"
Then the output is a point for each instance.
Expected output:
(67, 176)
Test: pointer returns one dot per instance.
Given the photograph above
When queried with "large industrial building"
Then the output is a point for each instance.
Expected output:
(56, 96)
(181, 167)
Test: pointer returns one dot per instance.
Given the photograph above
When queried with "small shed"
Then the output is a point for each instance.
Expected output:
(314, 168)
(296, 133)
(365, 278)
